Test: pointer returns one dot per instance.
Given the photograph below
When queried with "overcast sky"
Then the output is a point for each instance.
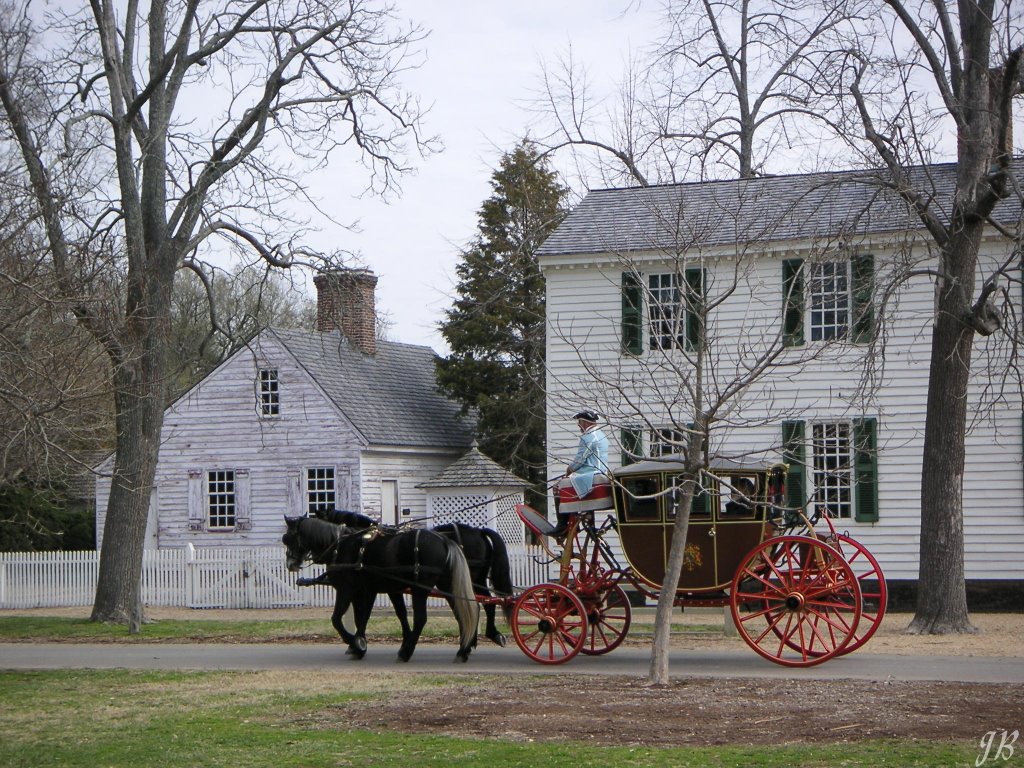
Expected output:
(482, 65)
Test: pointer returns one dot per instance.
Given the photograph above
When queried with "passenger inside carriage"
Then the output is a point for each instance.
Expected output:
(741, 499)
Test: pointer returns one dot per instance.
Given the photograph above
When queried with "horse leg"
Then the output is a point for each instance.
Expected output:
(362, 608)
(342, 601)
(491, 632)
(398, 603)
(419, 620)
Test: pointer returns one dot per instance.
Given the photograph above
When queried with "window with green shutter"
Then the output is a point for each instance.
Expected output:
(632, 314)
(794, 453)
(632, 443)
(865, 469)
(793, 302)
(863, 279)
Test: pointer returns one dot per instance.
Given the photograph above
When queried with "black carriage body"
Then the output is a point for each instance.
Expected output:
(723, 528)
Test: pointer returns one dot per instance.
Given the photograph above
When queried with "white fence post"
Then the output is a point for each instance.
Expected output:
(190, 576)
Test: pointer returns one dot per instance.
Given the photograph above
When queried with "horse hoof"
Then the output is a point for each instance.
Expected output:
(403, 658)
(498, 639)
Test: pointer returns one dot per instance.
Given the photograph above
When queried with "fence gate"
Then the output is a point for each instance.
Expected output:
(239, 578)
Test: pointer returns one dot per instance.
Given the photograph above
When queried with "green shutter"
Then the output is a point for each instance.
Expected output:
(865, 469)
(632, 444)
(794, 453)
(863, 278)
(793, 302)
(632, 314)
(694, 306)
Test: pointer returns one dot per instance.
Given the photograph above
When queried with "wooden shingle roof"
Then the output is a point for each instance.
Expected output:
(390, 397)
(766, 209)
(474, 470)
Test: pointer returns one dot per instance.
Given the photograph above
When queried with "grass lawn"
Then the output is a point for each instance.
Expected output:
(211, 719)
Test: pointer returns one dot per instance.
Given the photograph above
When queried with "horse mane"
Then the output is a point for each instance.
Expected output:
(320, 534)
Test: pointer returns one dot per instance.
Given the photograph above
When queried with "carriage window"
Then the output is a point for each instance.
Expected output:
(832, 470)
(737, 497)
(640, 500)
(270, 392)
(320, 489)
(220, 485)
(700, 507)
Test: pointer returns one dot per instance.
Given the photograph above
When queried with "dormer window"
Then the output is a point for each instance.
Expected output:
(269, 392)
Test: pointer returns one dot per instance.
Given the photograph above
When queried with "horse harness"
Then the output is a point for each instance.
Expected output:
(366, 538)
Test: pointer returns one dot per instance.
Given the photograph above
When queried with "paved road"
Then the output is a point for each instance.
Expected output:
(489, 659)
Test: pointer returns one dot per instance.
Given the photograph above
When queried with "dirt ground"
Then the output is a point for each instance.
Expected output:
(626, 711)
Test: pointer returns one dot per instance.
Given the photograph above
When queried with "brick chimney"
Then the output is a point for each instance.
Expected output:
(345, 301)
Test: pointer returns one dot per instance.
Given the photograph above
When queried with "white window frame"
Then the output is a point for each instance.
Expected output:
(829, 300)
(666, 441)
(832, 471)
(666, 311)
(269, 395)
(221, 500)
(321, 488)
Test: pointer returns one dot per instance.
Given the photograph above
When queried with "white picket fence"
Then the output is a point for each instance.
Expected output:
(237, 577)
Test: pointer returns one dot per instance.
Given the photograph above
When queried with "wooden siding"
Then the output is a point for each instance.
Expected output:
(216, 426)
(409, 469)
(584, 305)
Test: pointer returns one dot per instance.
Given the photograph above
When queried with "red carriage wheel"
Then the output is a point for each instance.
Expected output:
(874, 594)
(608, 618)
(796, 601)
(549, 623)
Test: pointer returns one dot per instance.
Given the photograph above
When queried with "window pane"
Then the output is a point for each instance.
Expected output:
(667, 313)
(320, 489)
(830, 300)
(666, 442)
(832, 470)
(221, 498)
(270, 403)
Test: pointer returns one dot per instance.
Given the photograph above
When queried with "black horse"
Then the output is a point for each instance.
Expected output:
(364, 563)
(485, 553)
(487, 556)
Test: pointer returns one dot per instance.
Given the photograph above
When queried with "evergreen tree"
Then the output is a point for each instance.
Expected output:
(495, 328)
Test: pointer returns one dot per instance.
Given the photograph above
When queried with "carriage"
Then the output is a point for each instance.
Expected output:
(799, 591)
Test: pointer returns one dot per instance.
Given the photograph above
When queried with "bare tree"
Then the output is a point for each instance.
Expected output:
(972, 55)
(731, 88)
(148, 132)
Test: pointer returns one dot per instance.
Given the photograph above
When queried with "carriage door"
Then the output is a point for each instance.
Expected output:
(389, 502)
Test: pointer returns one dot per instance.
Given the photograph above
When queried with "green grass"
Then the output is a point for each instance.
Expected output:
(237, 719)
(382, 625)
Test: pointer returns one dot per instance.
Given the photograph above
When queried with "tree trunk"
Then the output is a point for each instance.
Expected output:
(659, 674)
(118, 588)
(140, 394)
(942, 604)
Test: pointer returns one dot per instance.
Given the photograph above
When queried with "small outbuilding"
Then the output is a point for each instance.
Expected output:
(477, 491)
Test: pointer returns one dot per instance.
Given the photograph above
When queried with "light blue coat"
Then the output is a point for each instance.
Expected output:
(591, 458)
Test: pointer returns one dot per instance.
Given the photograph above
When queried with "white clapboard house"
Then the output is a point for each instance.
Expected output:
(796, 266)
(299, 419)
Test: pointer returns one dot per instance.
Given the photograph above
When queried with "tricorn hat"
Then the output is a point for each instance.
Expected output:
(587, 416)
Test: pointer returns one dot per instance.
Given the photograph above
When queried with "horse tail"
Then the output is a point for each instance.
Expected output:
(501, 569)
(463, 597)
